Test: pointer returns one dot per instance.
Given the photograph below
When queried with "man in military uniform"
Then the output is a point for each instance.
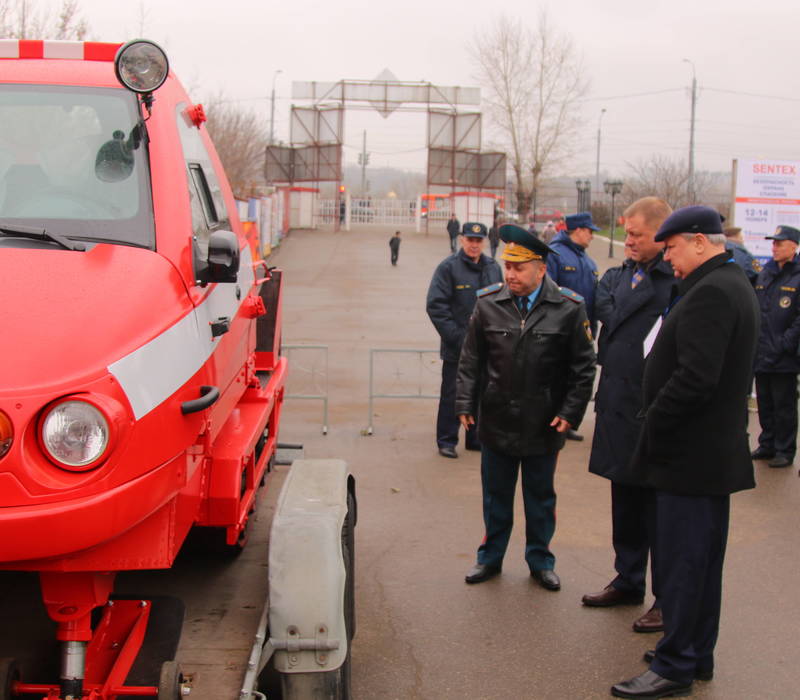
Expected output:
(693, 447)
(527, 367)
(630, 300)
(451, 298)
(777, 360)
(741, 256)
(574, 269)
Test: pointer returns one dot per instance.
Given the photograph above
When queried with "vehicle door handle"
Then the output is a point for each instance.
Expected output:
(208, 397)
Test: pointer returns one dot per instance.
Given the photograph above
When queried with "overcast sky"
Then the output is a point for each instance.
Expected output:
(746, 56)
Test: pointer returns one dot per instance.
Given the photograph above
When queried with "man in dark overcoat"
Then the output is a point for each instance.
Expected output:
(453, 229)
(528, 362)
(693, 447)
(638, 292)
(777, 359)
(451, 297)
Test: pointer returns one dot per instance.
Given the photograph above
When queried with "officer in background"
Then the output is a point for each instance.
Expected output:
(630, 300)
(777, 361)
(741, 256)
(453, 229)
(527, 367)
(574, 269)
(451, 298)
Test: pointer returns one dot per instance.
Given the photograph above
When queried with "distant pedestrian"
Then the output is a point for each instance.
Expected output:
(451, 298)
(741, 256)
(453, 229)
(548, 233)
(494, 238)
(394, 246)
(777, 362)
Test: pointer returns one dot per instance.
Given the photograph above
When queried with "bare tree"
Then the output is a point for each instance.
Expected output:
(24, 19)
(240, 140)
(534, 79)
(665, 177)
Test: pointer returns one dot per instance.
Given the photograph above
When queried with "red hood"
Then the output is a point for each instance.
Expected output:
(67, 315)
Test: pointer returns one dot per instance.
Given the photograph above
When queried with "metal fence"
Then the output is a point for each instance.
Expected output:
(389, 212)
(430, 366)
(307, 374)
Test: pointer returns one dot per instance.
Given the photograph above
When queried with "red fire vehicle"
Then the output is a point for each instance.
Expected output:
(141, 381)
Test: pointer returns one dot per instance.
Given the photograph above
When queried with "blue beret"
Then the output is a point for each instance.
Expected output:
(581, 220)
(785, 233)
(693, 219)
(473, 230)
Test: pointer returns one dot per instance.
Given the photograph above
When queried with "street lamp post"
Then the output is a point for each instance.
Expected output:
(612, 187)
(272, 109)
(597, 169)
(690, 183)
(584, 188)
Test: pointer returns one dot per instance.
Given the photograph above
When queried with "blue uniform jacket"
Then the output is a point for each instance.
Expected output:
(574, 269)
(744, 259)
(452, 297)
(778, 292)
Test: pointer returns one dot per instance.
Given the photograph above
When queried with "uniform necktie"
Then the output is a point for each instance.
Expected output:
(523, 305)
(638, 276)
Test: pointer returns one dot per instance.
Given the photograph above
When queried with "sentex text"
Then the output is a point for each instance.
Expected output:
(764, 169)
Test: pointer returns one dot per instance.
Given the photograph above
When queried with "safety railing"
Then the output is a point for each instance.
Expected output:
(432, 366)
(318, 380)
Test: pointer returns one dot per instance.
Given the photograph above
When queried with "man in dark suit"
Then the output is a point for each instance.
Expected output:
(632, 298)
(693, 448)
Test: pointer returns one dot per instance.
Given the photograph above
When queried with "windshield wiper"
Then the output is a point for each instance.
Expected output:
(40, 234)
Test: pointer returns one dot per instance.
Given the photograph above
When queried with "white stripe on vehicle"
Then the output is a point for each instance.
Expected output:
(63, 49)
(152, 373)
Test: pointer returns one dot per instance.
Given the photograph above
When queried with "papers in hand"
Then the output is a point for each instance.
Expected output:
(650, 338)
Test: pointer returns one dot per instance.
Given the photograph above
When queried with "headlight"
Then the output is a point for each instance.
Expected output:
(141, 66)
(75, 434)
(6, 434)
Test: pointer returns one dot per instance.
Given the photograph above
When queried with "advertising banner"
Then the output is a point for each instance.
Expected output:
(767, 194)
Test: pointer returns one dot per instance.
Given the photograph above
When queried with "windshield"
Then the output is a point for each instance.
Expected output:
(54, 174)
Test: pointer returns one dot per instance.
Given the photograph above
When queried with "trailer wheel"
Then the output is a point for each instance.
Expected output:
(332, 685)
(170, 683)
(9, 674)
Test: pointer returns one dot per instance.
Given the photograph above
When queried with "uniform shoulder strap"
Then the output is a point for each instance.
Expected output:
(569, 294)
(491, 289)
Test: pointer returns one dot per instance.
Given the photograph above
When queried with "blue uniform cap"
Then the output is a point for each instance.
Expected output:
(693, 219)
(581, 220)
(785, 233)
(473, 230)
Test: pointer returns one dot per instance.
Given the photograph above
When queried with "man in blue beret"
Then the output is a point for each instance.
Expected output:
(777, 360)
(527, 368)
(573, 268)
(693, 445)
(451, 298)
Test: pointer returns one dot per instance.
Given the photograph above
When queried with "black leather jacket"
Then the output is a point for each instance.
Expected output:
(523, 376)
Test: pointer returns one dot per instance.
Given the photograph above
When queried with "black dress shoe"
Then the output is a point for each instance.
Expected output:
(699, 674)
(481, 572)
(448, 451)
(573, 435)
(779, 461)
(611, 596)
(650, 685)
(761, 453)
(547, 578)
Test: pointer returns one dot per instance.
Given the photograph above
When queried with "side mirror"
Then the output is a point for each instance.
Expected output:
(223, 257)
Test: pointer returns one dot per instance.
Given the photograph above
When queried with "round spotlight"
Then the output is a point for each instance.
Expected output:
(141, 66)
(75, 434)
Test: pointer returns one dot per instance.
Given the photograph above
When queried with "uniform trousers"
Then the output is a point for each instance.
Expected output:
(447, 423)
(690, 539)
(633, 530)
(453, 242)
(499, 481)
(777, 412)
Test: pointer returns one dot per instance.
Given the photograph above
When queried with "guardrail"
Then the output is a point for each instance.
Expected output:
(295, 366)
(373, 395)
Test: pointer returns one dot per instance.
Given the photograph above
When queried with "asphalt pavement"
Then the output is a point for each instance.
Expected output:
(422, 632)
